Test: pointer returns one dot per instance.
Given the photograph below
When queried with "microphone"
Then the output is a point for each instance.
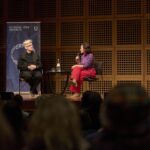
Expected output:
(79, 54)
(78, 57)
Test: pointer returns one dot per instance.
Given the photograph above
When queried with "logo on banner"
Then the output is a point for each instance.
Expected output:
(36, 28)
(16, 52)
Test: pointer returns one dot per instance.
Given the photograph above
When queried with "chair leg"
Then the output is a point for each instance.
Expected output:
(89, 86)
(19, 86)
(85, 86)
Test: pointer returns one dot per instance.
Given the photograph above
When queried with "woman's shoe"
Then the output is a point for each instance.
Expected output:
(73, 82)
(74, 97)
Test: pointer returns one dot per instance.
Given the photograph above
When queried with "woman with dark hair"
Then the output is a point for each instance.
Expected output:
(83, 68)
(13, 114)
(90, 107)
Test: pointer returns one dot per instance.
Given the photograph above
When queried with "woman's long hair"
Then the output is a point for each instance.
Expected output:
(87, 47)
(55, 125)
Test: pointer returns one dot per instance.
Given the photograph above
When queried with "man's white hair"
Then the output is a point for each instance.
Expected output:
(26, 42)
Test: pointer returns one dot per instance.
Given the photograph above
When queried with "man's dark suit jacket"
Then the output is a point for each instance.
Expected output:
(23, 62)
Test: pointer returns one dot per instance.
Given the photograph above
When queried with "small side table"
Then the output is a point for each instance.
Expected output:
(53, 72)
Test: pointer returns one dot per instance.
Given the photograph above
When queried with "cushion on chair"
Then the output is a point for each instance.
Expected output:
(90, 79)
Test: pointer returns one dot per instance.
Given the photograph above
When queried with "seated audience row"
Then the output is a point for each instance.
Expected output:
(119, 122)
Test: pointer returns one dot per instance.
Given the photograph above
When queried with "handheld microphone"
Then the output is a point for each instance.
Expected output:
(77, 58)
(79, 54)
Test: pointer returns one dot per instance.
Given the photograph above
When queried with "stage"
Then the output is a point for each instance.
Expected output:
(29, 101)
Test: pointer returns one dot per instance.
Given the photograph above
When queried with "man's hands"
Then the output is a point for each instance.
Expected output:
(32, 67)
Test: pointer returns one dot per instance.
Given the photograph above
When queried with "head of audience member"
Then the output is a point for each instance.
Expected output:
(126, 109)
(14, 115)
(85, 48)
(89, 113)
(28, 45)
(55, 125)
(18, 99)
(91, 101)
(7, 140)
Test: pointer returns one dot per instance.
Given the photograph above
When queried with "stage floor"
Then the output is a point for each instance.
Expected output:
(29, 101)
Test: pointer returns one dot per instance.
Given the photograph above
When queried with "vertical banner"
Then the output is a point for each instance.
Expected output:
(17, 32)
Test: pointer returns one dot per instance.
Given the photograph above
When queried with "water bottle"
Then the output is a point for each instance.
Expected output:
(58, 67)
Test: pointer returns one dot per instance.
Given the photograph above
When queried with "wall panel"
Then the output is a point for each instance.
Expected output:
(118, 30)
(129, 62)
(129, 31)
(48, 34)
(148, 31)
(100, 7)
(71, 33)
(128, 7)
(18, 9)
(148, 6)
(100, 32)
(1, 10)
(45, 8)
(148, 62)
(72, 8)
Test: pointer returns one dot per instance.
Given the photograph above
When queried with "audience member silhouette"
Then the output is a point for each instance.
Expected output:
(55, 125)
(7, 140)
(15, 119)
(89, 113)
(18, 100)
(125, 120)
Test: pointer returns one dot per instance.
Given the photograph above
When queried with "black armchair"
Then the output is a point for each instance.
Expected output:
(89, 80)
(21, 79)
